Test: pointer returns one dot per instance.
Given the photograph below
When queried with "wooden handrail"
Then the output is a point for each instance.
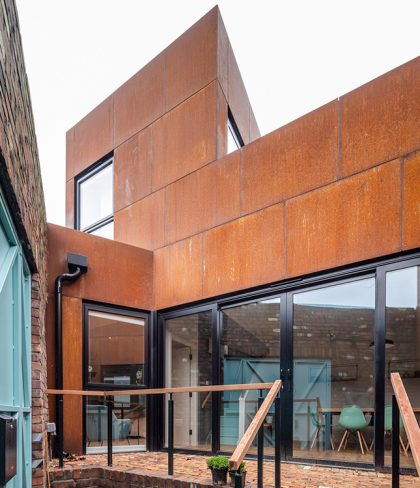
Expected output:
(411, 426)
(243, 446)
(162, 391)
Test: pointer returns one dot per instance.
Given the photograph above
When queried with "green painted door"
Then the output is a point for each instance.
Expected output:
(15, 344)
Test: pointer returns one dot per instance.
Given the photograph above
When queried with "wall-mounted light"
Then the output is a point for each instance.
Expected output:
(388, 344)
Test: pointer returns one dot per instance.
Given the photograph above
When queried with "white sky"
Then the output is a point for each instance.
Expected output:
(294, 56)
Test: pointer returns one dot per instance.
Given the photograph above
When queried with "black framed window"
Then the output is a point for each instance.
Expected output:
(115, 358)
(115, 347)
(234, 138)
(94, 211)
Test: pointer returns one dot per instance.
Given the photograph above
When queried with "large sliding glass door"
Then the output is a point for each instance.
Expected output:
(333, 341)
(250, 353)
(402, 350)
(333, 371)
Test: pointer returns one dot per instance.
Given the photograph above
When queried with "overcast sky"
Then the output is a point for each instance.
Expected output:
(294, 56)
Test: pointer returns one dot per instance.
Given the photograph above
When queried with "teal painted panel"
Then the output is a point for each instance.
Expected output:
(237, 371)
(6, 342)
(15, 345)
(4, 245)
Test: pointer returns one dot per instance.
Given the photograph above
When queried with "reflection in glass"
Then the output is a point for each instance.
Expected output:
(96, 197)
(403, 331)
(333, 394)
(250, 353)
(189, 363)
(106, 231)
(116, 349)
(232, 139)
(128, 424)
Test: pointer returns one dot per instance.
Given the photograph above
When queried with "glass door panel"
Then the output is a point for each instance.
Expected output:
(333, 367)
(189, 363)
(250, 353)
(402, 349)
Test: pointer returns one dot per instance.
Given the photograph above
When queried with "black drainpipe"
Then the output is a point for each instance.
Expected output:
(77, 265)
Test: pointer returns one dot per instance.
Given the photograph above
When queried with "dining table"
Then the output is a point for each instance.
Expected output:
(329, 412)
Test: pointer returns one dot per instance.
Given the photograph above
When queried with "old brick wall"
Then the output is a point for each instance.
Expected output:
(21, 184)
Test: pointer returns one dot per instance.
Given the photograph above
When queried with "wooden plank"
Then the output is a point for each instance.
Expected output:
(163, 391)
(411, 426)
(76, 392)
(244, 444)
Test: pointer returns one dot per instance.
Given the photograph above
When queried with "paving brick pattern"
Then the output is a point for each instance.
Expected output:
(148, 470)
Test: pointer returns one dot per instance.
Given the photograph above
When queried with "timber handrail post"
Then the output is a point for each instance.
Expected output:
(406, 411)
(246, 441)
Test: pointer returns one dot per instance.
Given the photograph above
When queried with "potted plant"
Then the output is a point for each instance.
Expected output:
(242, 470)
(219, 466)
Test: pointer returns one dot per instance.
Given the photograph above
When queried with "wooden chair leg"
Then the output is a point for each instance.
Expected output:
(332, 442)
(403, 446)
(360, 441)
(371, 444)
(315, 437)
(346, 432)
(347, 439)
(364, 441)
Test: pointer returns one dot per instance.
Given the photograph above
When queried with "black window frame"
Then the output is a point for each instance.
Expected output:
(373, 268)
(81, 178)
(116, 310)
(231, 124)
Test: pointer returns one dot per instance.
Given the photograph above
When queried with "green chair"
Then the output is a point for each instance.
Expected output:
(318, 424)
(353, 420)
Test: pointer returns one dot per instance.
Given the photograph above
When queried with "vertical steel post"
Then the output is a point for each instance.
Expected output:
(260, 444)
(277, 442)
(170, 435)
(395, 444)
(60, 431)
(109, 430)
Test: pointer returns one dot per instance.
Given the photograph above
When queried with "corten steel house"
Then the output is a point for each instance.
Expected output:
(211, 255)
(234, 258)
(214, 256)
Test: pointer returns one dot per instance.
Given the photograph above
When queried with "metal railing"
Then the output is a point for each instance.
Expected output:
(401, 406)
(255, 428)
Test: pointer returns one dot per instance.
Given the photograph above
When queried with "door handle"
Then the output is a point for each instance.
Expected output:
(286, 376)
(283, 378)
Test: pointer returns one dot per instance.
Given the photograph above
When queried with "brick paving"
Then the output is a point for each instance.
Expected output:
(192, 468)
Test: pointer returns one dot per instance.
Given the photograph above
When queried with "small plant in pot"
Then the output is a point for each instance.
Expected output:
(242, 470)
(219, 466)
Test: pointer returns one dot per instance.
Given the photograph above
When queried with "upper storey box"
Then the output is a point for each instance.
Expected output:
(184, 109)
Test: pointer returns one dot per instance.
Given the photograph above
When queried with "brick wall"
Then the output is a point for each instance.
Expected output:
(21, 183)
